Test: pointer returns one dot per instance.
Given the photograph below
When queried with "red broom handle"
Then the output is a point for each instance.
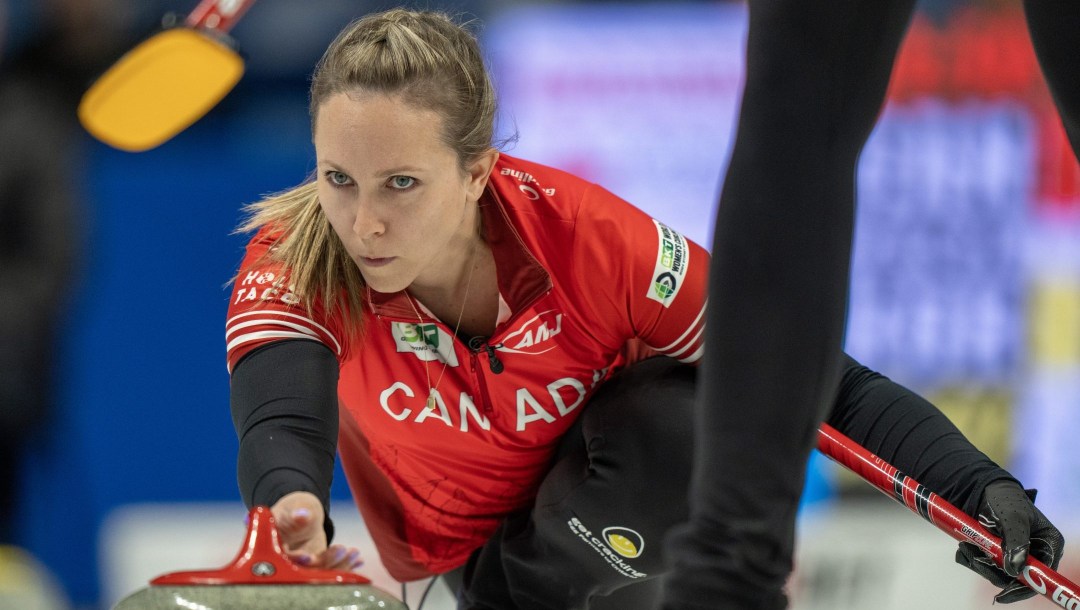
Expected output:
(219, 15)
(935, 509)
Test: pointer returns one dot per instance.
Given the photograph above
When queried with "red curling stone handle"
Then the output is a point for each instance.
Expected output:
(261, 561)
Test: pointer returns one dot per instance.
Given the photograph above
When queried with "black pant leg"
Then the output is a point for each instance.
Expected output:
(817, 73)
(601, 514)
(1055, 33)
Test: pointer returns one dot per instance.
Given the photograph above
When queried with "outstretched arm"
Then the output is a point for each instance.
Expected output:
(284, 407)
(907, 431)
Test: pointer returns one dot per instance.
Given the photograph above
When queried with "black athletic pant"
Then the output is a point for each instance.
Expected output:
(617, 486)
(817, 72)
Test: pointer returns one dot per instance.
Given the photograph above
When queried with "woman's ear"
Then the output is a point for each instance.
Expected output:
(478, 172)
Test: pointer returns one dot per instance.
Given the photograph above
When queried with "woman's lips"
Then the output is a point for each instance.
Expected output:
(376, 262)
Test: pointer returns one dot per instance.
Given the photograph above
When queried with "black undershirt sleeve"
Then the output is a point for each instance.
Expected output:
(285, 410)
(908, 432)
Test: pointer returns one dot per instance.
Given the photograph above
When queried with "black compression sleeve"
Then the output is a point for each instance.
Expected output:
(285, 410)
(907, 431)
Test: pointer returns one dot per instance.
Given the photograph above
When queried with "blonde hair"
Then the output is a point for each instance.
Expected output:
(429, 61)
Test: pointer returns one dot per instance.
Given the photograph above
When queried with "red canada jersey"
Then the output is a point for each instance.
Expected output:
(588, 283)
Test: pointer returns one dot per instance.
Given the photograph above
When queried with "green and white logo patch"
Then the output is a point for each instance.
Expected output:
(428, 342)
(672, 260)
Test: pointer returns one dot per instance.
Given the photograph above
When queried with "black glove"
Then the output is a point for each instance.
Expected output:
(1009, 512)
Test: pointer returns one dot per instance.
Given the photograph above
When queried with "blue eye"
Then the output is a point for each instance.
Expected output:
(337, 178)
(401, 182)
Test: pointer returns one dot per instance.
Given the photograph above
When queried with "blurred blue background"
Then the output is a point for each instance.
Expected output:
(966, 279)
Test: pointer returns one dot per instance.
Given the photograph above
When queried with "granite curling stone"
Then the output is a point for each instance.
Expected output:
(261, 577)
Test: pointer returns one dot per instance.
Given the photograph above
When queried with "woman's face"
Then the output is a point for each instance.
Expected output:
(394, 193)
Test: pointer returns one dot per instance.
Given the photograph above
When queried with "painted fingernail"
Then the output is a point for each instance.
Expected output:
(302, 513)
(303, 560)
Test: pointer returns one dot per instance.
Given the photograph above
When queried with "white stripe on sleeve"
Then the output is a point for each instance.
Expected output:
(693, 325)
(692, 343)
(266, 321)
(692, 358)
(230, 328)
(268, 334)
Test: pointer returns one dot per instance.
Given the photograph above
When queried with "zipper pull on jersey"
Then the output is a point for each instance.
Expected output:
(480, 343)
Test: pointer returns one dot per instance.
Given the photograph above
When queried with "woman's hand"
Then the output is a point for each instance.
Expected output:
(299, 518)
(1008, 511)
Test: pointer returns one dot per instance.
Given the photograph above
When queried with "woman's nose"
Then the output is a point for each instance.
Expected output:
(366, 223)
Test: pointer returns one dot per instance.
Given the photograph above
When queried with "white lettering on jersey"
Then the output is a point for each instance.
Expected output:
(567, 394)
(597, 376)
(425, 413)
(273, 293)
(527, 178)
(468, 407)
(261, 278)
(523, 419)
(270, 293)
(385, 402)
(249, 294)
(566, 382)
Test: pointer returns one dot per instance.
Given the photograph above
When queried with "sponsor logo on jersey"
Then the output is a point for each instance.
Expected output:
(605, 545)
(261, 278)
(672, 260)
(526, 179)
(534, 336)
(624, 541)
(265, 286)
(428, 342)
